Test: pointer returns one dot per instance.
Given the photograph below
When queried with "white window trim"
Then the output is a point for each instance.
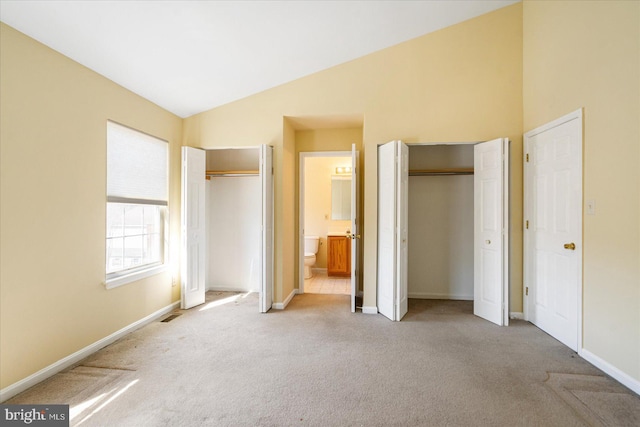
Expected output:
(135, 276)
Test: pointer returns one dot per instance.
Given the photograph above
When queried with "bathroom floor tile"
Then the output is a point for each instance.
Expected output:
(320, 283)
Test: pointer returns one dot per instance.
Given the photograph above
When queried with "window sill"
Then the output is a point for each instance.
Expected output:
(132, 277)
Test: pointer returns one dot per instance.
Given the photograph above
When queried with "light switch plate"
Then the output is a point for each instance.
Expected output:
(591, 207)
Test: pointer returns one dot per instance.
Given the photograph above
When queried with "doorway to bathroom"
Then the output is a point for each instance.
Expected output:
(329, 238)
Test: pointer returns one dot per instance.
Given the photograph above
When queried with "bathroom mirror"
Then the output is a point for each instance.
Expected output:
(340, 197)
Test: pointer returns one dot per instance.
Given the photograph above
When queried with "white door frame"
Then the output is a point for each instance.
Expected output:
(527, 213)
(303, 156)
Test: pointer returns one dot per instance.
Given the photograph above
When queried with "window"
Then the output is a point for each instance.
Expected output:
(137, 194)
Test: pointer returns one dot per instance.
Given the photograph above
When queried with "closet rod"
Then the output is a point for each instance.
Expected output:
(434, 172)
(211, 173)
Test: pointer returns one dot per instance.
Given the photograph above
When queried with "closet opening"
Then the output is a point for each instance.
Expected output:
(440, 222)
(443, 226)
(233, 220)
(227, 223)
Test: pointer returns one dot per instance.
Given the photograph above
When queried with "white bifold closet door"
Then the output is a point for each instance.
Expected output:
(393, 186)
(193, 227)
(491, 230)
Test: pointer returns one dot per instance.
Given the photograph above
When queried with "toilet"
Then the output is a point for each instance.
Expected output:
(310, 250)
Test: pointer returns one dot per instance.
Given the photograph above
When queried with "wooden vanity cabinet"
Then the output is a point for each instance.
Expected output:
(338, 256)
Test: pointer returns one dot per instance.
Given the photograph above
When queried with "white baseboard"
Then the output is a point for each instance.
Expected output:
(370, 310)
(430, 295)
(283, 305)
(611, 370)
(516, 315)
(33, 379)
(319, 270)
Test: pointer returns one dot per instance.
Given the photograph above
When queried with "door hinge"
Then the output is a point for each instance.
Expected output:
(526, 291)
(527, 157)
(527, 224)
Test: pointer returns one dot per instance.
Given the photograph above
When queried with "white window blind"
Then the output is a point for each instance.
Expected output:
(136, 167)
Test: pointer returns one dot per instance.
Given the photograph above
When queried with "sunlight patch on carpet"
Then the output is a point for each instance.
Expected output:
(223, 301)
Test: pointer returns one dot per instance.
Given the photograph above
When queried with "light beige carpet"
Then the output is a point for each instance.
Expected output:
(317, 364)
(598, 399)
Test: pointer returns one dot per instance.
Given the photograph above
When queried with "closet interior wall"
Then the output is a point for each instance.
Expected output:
(440, 221)
(234, 212)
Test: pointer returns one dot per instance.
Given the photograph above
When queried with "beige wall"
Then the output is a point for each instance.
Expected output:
(586, 54)
(463, 83)
(52, 209)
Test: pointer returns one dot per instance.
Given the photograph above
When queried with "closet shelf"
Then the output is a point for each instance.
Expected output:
(212, 173)
(447, 171)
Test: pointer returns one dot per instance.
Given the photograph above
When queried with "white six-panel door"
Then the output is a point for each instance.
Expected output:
(491, 237)
(393, 179)
(193, 227)
(266, 177)
(553, 239)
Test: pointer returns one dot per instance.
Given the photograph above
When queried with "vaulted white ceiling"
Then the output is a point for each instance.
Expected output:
(191, 56)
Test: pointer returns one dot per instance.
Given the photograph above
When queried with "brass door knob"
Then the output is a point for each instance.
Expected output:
(570, 246)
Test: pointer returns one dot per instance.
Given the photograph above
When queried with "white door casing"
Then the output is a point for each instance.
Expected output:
(266, 178)
(392, 299)
(491, 231)
(193, 227)
(553, 240)
(355, 227)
